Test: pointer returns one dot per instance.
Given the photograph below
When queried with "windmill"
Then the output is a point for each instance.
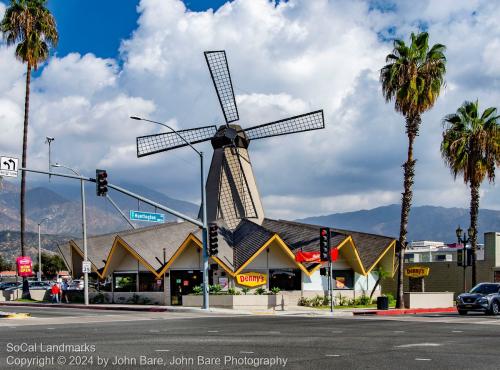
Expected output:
(232, 192)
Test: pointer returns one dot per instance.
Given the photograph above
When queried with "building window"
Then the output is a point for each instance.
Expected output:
(125, 282)
(343, 279)
(285, 279)
(149, 282)
(409, 257)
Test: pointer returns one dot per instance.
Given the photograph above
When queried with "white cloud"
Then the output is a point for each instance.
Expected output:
(287, 59)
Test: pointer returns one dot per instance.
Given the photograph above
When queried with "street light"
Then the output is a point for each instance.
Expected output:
(206, 304)
(84, 232)
(40, 250)
(463, 240)
(49, 140)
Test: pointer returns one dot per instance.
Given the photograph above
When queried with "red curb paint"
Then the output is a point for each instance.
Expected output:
(407, 311)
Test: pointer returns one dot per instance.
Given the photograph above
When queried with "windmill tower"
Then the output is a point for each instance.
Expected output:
(232, 192)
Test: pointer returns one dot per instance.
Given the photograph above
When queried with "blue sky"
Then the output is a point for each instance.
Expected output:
(97, 26)
(116, 59)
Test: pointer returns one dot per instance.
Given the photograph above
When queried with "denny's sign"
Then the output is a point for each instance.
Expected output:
(417, 271)
(251, 279)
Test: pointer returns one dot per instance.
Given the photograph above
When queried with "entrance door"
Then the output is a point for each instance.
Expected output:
(182, 282)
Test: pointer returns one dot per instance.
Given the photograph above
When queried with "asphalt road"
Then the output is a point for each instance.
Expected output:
(192, 341)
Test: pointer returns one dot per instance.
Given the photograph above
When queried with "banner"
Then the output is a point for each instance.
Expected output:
(251, 279)
(24, 266)
(315, 256)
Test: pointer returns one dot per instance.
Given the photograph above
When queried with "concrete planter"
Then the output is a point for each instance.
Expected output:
(234, 301)
(157, 298)
(428, 299)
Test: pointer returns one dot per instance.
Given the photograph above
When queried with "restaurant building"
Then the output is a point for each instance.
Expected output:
(163, 263)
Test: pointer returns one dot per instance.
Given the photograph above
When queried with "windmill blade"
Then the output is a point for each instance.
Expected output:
(152, 144)
(304, 122)
(219, 71)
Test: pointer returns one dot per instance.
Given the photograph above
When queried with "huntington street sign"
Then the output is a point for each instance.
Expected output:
(147, 216)
(8, 166)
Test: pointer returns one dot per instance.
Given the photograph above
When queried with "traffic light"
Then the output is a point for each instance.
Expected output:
(469, 256)
(460, 257)
(101, 182)
(324, 244)
(213, 246)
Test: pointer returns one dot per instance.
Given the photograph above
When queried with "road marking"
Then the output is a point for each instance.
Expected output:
(51, 328)
(332, 355)
(337, 332)
(246, 352)
(398, 331)
(418, 345)
(274, 332)
(457, 331)
(162, 350)
(422, 359)
(213, 331)
(154, 331)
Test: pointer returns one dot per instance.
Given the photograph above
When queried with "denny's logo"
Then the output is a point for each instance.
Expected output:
(417, 271)
(251, 279)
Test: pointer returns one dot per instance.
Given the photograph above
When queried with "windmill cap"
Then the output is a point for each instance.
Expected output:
(230, 135)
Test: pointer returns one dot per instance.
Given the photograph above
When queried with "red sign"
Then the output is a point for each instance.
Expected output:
(24, 266)
(314, 256)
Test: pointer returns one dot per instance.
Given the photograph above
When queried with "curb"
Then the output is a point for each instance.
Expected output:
(407, 311)
(13, 315)
(90, 307)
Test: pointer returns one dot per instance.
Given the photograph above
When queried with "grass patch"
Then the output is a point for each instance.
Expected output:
(24, 300)
(374, 305)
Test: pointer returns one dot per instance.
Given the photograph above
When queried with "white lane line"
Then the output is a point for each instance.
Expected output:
(457, 331)
(274, 332)
(418, 345)
(246, 352)
(213, 331)
(154, 331)
(337, 332)
(162, 350)
(398, 331)
(422, 359)
(51, 328)
(332, 355)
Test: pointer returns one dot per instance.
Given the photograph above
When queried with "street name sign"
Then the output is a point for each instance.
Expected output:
(86, 267)
(8, 166)
(147, 216)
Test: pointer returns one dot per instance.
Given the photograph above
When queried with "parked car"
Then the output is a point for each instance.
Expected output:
(8, 284)
(33, 285)
(484, 297)
(76, 285)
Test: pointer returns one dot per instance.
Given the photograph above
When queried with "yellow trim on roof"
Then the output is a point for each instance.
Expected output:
(338, 247)
(356, 254)
(77, 249)
(259, 251)
(391, 245)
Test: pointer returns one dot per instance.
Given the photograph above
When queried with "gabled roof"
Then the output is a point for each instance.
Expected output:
(236, 248)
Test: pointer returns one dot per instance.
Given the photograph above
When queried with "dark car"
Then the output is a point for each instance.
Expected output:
(8, 284)
(484, 297)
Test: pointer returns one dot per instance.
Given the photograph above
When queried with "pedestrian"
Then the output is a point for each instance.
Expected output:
(64, 293)
(55, 293)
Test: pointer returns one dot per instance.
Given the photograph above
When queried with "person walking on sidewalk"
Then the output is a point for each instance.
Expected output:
(55, 292)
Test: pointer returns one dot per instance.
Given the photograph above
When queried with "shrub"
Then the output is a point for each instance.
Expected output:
(392, 300)
(303, 301)
(275, 290)
(98, 298)
(231, 291)
(363, 300)
(197, 290)
(260, 291)
(245, 290)
(214, 289)
(341, 300)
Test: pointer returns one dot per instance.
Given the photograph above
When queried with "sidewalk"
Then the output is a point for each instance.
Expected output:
(292, 311)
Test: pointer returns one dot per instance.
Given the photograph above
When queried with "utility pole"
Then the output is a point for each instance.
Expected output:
(39, 273)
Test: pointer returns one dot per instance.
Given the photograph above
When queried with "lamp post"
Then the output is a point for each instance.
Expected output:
(463, 240)
(40, 250)
(206, 304)
(84, 232)
(49, 140)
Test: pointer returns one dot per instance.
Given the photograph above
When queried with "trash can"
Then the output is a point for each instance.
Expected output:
(382, 303)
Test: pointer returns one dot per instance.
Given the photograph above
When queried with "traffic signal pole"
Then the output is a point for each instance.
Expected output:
(206, 304)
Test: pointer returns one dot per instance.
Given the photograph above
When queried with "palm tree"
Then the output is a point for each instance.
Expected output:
(30, 25)
(471, 148)
(412, 77)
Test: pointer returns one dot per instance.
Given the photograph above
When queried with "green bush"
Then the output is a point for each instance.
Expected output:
(392, 300)
(214, 289)
(275, 290)
(362, 301)
(260, 291)
(341, 300)
(197, 290)
(303, 301)
(245, 290)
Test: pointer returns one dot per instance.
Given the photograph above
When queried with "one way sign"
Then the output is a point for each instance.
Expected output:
(8, 166)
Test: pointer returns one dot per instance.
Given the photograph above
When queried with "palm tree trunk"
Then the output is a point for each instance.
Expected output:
(412, 126)
(375, 288)
(26, 293)
(474, 210)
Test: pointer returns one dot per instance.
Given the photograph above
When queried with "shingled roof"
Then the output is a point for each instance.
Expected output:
(235, 247)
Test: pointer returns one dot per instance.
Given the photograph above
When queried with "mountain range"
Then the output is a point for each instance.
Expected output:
(425, 223)
(60, 204)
